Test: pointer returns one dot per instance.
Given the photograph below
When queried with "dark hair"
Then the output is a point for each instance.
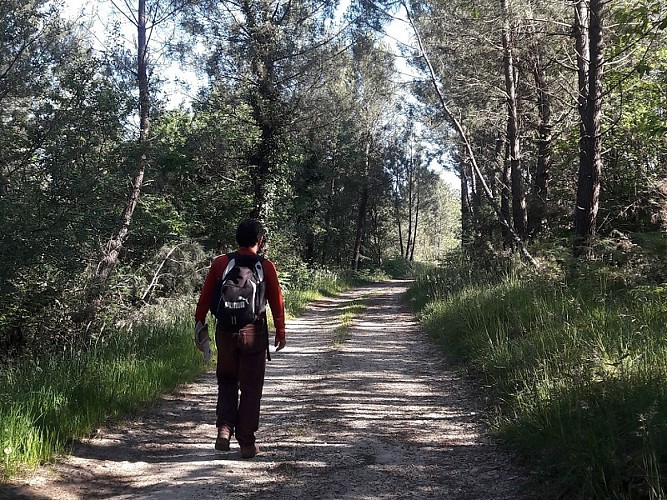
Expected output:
(248, 233)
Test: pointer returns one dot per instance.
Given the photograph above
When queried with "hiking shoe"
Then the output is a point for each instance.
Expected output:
(249, 451)
(222, 441)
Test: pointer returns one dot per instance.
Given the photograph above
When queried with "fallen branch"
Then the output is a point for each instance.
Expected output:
(156, 275)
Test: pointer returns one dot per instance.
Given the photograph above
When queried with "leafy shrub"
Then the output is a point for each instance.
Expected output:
(46, 403)
(398, 267)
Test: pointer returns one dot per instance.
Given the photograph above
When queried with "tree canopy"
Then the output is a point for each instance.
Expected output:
(551, 114)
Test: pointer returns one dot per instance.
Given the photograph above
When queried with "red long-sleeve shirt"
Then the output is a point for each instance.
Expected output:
(274, 294)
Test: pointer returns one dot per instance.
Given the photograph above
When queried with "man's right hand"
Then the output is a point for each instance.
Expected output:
(279, 343)
(201, 335)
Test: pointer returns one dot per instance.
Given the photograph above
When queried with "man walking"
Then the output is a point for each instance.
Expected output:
(242, 350)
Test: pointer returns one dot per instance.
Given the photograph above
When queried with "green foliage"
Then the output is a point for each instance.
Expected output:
(314, 285)
(363, 276)
(575, 362)
(202, 188)
(635, 166)
(61, 178)
(633, 259)
(276, 133)
(45, 403)
(302, 283)
(397, 267)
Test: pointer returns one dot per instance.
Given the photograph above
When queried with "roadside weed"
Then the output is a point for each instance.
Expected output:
(348, 314)
(577, 370)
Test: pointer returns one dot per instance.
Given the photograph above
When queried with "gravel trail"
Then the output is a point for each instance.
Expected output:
(365, 413)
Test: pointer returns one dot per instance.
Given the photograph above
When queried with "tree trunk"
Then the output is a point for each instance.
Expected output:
(590, 59)
(363, 206)
(400, 229)
(505, 197)
(328, 216)
(519, 212)
(414, 237)
(410, 203)
(262, 168)
(310, 246)
(537, 215)
(470, 153)
(475, 196)
(376, 235)
(361, 217)
(110, 257)
(397, 207)
(467, 235)
(499, 167)
(265, 103)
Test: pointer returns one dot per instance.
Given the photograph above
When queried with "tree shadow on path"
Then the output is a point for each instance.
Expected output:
(376, 414)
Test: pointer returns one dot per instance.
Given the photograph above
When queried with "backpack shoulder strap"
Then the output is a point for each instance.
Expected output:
(231, 262)
(254, 262)
(259, 268)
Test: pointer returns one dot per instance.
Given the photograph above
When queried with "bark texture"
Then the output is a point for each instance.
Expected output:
(590, 59)
(519, 211)
(537, 213)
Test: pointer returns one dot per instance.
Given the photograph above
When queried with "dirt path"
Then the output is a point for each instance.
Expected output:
(374, 415)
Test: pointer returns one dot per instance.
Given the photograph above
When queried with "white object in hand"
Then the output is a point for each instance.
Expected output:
(203, 342)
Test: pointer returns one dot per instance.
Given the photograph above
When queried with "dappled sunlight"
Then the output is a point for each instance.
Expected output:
(371, 414)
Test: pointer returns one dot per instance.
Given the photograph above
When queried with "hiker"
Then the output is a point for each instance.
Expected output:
(242, 351)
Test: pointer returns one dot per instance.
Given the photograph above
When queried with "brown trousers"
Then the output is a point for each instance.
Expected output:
(241, 367)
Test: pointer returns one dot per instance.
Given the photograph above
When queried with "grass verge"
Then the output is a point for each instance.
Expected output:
(47, 403)
(577, 366)
(302, 286)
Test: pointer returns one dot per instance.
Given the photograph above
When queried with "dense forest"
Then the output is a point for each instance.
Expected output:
(550, 113)
(111, 199)
(318, 119)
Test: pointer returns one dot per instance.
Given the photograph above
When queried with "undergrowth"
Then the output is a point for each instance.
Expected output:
(301, 285)
(575, 359)
(48, 402)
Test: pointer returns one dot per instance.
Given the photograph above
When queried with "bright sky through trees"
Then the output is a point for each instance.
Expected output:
(98, 19)
(181, 83)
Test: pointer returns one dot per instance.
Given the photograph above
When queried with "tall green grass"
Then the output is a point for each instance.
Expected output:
(577, 369)
(47, 403)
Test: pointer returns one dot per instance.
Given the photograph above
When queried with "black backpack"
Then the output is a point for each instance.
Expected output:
(239, 297)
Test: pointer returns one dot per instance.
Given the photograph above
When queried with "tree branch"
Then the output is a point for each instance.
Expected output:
(156, 275)
(129, 17)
